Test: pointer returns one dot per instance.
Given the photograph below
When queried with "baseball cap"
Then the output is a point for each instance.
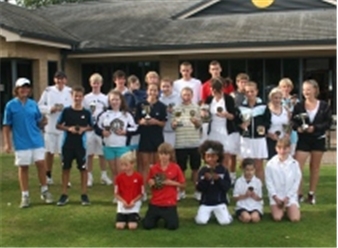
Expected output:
(22, 81)
(60, 74)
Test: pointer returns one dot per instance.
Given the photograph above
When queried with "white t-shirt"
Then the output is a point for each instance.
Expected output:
(99, 100)
(277, 122)
(193, 83)
(49, 98)
(312, 113)
(107, 117)
(249, 204)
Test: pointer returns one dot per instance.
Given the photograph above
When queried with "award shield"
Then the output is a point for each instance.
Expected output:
(116, 125)
(205, 113)
(59, 106)
(278, 133)
(261, 130)
(219, 109)
(92, 107)
(159, 179)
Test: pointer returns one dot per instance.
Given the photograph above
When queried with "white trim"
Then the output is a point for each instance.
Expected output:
(14, 37)
(196, 10)
(206, 51)
(333, 2)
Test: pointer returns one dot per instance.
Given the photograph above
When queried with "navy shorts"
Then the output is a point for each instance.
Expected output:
(309, 144)
(79, 155)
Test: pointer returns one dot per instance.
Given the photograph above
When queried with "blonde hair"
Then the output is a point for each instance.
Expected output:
(128, 157)
(275, 91)
(187, 89)
(314, 85)
(132, 79)
(285, 81)
(166, 148)
(252, 84)
(96, 77)
(242, 76)
(283, 142)
(149, 74)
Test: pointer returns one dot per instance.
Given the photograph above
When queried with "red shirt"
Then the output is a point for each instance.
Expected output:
(206, 90)
(166, 196)
(129, 187)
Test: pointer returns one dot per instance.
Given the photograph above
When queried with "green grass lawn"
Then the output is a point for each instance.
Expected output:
(75, 225)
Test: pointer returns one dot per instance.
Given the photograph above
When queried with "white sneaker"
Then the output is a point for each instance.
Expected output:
(90, 180)
(197, 195)
(181, 195)
(47, 197)
(25, 201)
(50, 181)
(106, 180)
(144, 197)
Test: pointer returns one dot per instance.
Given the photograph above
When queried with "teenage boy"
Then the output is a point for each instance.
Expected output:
(239, 95)
(75, 121)
(188, 81)
(51, 103)
(119, 79)
(96, 102)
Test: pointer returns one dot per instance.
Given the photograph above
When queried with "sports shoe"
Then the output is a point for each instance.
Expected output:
(181, 195)
(47, 197)
(69, 184)
(106, 180)
(90, 180)
(85, 200)
(300, 198)
(197, 195)
(311, 198)
(63, 200)
(50, 181)
(25, 201)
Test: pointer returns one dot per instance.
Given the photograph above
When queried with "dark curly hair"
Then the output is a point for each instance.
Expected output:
(215, 145)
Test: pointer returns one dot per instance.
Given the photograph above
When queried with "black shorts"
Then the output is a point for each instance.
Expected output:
(241, 210)
(69, 154)
(194, 156)
(127, 218)
(309, 144)
(155, 213)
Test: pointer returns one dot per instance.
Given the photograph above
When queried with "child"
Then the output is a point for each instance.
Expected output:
(186, 123)
(96, 102)
(152, 77)
(283, 175)
(214, 183)
(170, 99)
(164, 178)
(133, 84)
(239, 95)
(128, 192)
(254, 120)
(248, 194)
(119, 79)
(188, 81)
(74, 121)
(151, 115)
(113, 126)
(22, 122)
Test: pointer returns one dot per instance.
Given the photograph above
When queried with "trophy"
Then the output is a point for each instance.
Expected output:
(170, 107)
(146, 109)
(205, 113)
(302, 117)
(77, 128)
(177, 115)
(246, 117)
(261, 130)
(192, 113)
(92, 106)
(159, 179)
(287, 128)
(106, 124)
(59, 106)
(116, 125)
(219, 109)
(290, 103)
(278, 133)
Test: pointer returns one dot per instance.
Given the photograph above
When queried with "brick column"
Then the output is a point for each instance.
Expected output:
(40, 77)
(169, 66)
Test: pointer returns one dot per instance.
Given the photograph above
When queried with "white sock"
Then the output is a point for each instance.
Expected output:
(25, 194)
(104, 174)
(90, 175)
(311, 192)
(44, 188)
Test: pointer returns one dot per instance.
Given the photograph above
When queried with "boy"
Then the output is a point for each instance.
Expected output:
(239, 95)
(119, 79)
(282, 177)
(133, 84)
(74, 121)
(51, 103)
(128, 192)
(164, 178)
(188, 81)
(22, 122)
(214, 183)
(96, 102)
(215, 70)
(170, 99)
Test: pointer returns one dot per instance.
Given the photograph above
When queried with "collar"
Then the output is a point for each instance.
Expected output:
(258, 100)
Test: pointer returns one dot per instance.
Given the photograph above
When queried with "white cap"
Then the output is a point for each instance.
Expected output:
(21, 82)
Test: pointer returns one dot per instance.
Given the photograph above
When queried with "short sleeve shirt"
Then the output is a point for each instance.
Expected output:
(129, 187)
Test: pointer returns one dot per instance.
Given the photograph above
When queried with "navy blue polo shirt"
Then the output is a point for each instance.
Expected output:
(24, 118)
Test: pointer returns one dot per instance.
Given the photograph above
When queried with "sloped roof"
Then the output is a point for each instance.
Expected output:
(26, 23)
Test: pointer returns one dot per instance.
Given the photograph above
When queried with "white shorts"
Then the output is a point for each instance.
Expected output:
(30, 156)
(292, 201)
(94, 144)
(220, 211)
(53, 142)
(231, 143)
(170, 137)
(254, 148)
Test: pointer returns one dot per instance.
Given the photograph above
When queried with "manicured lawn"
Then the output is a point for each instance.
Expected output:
(75, 225)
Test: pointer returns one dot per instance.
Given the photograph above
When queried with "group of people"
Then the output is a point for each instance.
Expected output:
(160, 130)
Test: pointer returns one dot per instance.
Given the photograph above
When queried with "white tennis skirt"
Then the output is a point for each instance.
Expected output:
(254, 148)
(231, 143)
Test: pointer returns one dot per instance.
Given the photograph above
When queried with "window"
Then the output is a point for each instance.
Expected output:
(52, 68)
(255, 71)
(291, 70)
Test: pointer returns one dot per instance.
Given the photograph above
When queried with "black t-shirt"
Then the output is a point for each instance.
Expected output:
(78, 118)
(151, 136)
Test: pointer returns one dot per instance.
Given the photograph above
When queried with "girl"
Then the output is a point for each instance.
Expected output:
(152, 77)
(23, 119)
(254, 119)
(282, 175)
(280, 120)
(186, 123)
(289, 101)
(222, 126)
(113, 125)
(214, 183)
(151, 115)
(248, 194)
(164, 178)
(312, 118)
